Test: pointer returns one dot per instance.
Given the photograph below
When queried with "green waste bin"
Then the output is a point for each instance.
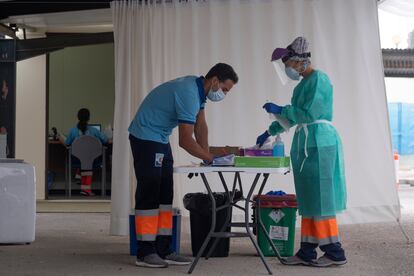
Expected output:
(278, 215)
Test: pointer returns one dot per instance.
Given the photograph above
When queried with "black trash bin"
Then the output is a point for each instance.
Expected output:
(199, 205)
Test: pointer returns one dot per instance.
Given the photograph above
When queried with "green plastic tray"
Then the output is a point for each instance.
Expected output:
(261, 162)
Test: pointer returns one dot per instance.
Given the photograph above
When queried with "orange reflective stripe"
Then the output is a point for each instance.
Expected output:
(326, 228)
(146, 225)
(165, 220)
(319, 229)
(306, 228)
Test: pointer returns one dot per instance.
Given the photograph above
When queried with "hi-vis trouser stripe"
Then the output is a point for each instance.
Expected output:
(320, 230)
(150, 223)
(146, 224)
(86, 181)
(165, 222)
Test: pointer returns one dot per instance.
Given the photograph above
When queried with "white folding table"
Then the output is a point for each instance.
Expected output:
(232, 202)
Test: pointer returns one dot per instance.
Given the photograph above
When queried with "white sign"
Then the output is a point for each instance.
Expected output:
(278, 233)
(276, 215)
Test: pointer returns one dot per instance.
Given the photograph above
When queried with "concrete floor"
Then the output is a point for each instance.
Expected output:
(78, 244)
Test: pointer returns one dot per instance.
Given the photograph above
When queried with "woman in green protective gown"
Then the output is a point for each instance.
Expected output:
(316, 154)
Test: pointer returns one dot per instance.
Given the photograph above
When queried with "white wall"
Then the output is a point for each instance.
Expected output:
(31, 117)
(399, 90)
(81, 77)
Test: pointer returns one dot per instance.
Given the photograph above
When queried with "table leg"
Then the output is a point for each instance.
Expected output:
(240, 183)
(213, 224)
(259, 220)
(229, 201)
(66, 173)
(247, 217)
(266, 176)
(228, 218)
(103, 180)
(233, 190)
(269, 240)
(70, 172)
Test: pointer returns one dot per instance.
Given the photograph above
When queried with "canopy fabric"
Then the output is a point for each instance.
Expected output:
(160, 41)
(399, 7)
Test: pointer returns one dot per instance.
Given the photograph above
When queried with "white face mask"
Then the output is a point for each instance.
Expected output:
(216, 96)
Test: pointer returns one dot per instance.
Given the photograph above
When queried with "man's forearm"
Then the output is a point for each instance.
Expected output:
(201, 135)
(195, 149)
(202, 138)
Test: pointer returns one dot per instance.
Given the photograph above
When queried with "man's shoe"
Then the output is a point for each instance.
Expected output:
(176, 259)
(295, 260)
(325, 261)
(151, 260)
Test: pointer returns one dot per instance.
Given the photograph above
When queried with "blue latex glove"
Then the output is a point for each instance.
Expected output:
(272, 108)
(262, 138)
(277, 193)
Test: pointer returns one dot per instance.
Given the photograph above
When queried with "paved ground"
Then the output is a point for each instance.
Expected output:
(78, 244)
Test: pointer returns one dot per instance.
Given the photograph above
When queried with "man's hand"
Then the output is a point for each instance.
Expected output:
(209, 162)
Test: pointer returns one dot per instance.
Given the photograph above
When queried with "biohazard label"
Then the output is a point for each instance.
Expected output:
(158, 159)
(276, 215)
(279, 233)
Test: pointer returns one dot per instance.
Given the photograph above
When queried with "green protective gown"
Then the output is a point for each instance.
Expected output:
(320, 179)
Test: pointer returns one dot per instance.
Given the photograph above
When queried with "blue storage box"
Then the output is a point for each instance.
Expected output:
(401, 117)
(176, 233)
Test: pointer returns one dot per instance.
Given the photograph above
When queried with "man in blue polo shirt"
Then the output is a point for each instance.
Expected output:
(181, 103)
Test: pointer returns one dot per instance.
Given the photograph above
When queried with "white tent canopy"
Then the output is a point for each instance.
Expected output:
(400, 7)
(158, 42)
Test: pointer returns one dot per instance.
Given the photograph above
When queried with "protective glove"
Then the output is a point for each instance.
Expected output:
(276, 193)
(262, 138)
(272, 108)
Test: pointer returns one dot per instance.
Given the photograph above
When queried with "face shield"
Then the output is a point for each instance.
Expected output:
(278, 56)
(280, 70)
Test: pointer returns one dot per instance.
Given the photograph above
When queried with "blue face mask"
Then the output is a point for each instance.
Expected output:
(292, 73)
(216, 96)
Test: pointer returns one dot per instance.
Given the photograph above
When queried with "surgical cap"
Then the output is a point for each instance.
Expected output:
(300, 47)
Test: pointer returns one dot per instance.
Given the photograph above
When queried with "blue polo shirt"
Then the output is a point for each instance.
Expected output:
(91, 131)
(173, 102)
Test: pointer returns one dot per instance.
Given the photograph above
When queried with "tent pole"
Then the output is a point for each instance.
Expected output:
(409, 240)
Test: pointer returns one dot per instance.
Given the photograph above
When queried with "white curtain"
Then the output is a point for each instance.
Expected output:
(160, 41)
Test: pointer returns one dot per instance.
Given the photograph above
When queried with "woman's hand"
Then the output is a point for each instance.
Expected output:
(272, 108)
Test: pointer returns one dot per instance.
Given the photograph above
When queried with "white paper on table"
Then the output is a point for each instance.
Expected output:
(226, 160)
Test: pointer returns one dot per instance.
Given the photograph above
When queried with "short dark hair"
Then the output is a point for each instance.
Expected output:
(223, 72)
(83, 117)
